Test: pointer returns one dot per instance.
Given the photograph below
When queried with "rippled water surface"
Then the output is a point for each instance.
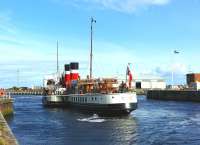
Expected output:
(153, 123)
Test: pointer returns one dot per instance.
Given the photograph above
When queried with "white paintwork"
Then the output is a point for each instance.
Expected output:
(74, 71)
(56, 77)
(195, 85)
(54, 98)
(101, 99)
(67, 72)
(60, 90)
(104, 98)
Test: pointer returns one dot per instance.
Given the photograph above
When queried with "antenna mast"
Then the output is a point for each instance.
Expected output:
(91, 49)
(18, 77)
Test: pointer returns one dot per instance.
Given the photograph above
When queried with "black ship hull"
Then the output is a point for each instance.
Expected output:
(104, 109)
(108, 104)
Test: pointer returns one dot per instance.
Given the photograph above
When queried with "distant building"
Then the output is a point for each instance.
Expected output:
(147, 82)
(193, 80)
(36, 87)
(150, 84)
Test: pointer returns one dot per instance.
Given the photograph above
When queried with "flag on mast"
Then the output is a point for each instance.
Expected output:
(129, 75)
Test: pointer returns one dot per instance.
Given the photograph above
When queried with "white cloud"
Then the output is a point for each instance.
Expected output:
(6, 25)
(126, 6)
(129, 6)
(179, 71)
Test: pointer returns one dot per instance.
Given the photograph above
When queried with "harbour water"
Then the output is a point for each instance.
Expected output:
(153, 123)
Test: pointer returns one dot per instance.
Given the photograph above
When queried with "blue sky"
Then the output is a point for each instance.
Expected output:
(144, 32)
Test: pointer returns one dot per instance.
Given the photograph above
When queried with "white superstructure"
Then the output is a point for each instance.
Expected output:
(104, 98)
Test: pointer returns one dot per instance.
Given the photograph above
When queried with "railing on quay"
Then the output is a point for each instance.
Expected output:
(25, 92)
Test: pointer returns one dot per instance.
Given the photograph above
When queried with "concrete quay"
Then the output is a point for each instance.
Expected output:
(174, 95)
(6, 135)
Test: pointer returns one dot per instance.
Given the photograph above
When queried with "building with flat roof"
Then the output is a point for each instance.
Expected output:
(150, 84)
(193, 80)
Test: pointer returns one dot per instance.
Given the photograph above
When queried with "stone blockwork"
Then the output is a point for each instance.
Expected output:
(6, 135)
(6, 106)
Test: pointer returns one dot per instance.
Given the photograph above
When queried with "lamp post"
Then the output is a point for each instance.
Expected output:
(18, 77)
(175, 52)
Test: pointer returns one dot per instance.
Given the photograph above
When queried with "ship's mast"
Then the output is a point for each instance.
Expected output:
(91, 49)
(57, 75)
(57, 59)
